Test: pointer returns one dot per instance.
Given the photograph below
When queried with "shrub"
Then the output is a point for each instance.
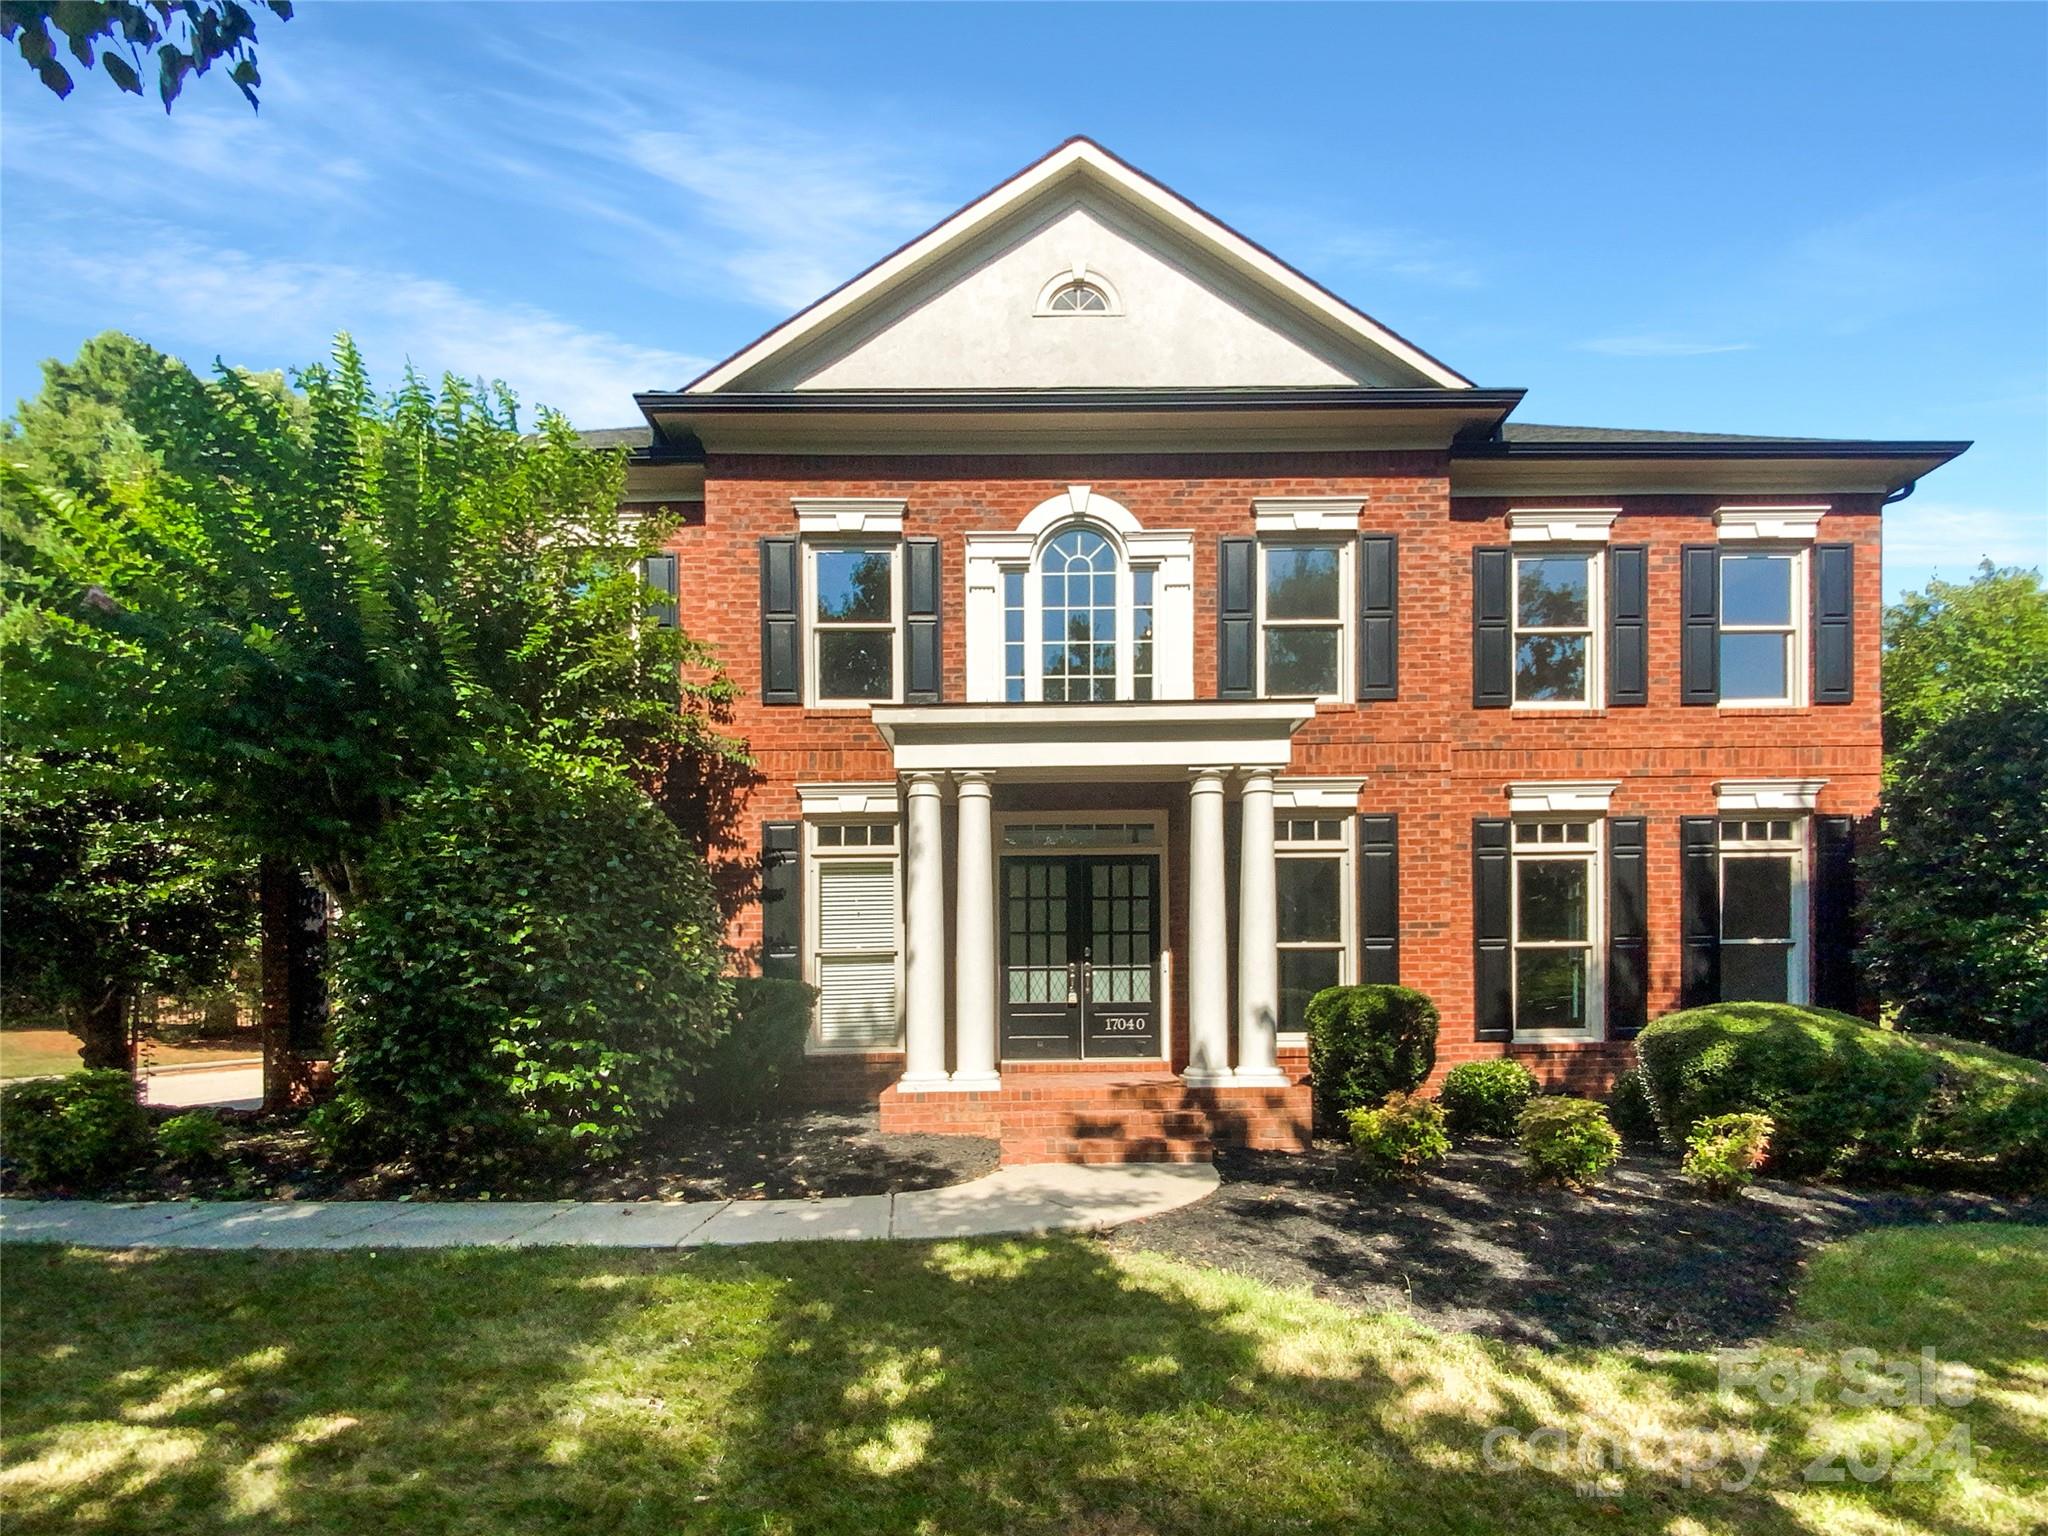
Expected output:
(1723, 1153)
(194, 1140)
(535, 958)
(1483, 1098)
(1403, 1136)
(1630, 1110)
(1365, 1043)
(79, 1129)
(1847, 1097)
(1567, 1140)
(761, 1048)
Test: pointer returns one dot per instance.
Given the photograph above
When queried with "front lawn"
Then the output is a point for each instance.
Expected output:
(1051, 1386)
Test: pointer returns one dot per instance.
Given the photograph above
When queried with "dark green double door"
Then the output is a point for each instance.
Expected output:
(1080, 972)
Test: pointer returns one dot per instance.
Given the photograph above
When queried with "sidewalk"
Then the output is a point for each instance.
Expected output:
(1048, 1197)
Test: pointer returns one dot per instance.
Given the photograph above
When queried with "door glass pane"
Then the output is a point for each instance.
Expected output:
(1754, 973)
(1301, 582)
(1550, 591)
(1550, 989)
(1552, 899)
(853, 585)
(1756, 589)
(1303, 973)
(1753, 666)
(1756, 898)
(1550, 667)
(1301, 661)
(1311, 899)
(855, 663)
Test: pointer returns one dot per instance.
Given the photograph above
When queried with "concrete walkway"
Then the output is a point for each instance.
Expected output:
(1050, 1197)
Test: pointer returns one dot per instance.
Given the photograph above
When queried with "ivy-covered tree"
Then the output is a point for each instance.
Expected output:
(109, 890)
(133, 38)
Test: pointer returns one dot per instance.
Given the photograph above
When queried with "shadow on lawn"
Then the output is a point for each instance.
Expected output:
(831, 1388)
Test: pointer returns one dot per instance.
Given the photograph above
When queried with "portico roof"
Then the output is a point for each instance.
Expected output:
(1102, 742)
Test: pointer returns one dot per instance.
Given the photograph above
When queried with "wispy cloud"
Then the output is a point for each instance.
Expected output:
(1661, 344)
(1925, 538)
(1332, 253)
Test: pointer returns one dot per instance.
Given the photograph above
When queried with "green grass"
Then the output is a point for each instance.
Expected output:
(38, 1053)
(1044, 1386)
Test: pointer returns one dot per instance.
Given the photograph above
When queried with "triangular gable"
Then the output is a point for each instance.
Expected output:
(962, 305)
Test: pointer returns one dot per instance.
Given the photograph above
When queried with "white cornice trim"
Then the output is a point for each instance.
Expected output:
(1307, 514)
(1561, 525)
(849, 514)
(1774, 523)
(846, 799)
(1583, 797)
(1769, 794)
(1317, 794)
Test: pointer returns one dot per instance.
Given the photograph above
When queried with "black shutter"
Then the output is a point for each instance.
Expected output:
(921, 620)
(1834, 913)
(1628, 630)
(1493, 1005)
(1493, 662)
(782, 909)
(1236, 618)
(1699, 901)
(1379, 901)
(1628, 928)
(781, 653)
(1834, 623)
(1699, 655)
(659, 572)
(1378, 617)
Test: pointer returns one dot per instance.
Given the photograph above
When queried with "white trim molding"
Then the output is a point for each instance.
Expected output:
(849, 514)
(1584, 797)
(847, 799)
(1079, 275)
(1561, 525)
(1740, 795)
(1306, 514)
(1779, 524)
(1317, 794)
(1098, 743)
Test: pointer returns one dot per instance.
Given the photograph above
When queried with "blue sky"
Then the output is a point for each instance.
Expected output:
(1827, 221)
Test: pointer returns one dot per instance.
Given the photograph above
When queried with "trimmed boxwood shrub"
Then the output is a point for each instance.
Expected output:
(1630, 1111)
(761, 1049)
(1365, 1043)
(1847, 1097)
(1567, 1140)
(76, 1130)
(1483, 1098)
(1403, 1136)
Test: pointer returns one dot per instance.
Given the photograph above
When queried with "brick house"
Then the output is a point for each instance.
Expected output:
(1137, 639)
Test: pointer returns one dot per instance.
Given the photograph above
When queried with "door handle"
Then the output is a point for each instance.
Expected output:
(1073, 986)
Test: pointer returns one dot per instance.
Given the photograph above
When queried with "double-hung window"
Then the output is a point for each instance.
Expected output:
(1302, 606)
(1556, 616)
(1312, 871)
(1763, 910)
(855, 940)
(1763, 610)
(1556, 905)
(856, 609)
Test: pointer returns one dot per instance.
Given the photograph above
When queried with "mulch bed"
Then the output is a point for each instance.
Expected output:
(1639, 1260)
(797, 1154)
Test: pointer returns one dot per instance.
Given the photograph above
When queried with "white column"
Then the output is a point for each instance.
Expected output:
(974, 941)
(1258, 956)
(924, 931)
(1208, 961)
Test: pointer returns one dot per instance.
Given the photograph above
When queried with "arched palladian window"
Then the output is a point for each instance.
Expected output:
(1078, 627)
(1078, 299)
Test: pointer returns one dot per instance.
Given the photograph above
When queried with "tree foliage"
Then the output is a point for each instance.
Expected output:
(1951, 639)
(129, 37)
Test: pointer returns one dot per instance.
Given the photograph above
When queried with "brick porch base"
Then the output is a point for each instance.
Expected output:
(1106, 1114)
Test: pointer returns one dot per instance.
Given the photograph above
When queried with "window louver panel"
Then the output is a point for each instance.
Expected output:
(857, 907)
(857, 1001)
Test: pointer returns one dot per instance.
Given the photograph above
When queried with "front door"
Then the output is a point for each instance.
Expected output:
(1080, 957)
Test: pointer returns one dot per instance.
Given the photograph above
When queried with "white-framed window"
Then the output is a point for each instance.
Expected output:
(855, 645)
(1556, 623)
(1763, 623)
(1312, 874)
(1078, 299)
(1078, 624)
(1304, 618)
(855, 940)
(1557, 924)
(1763, 909)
